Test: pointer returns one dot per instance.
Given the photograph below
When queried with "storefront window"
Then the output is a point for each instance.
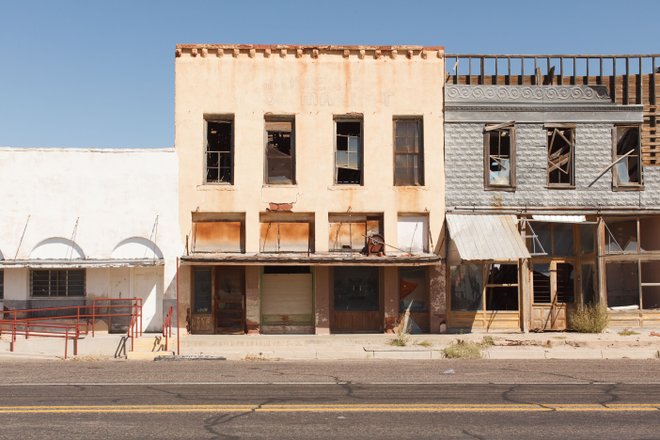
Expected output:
(202, 290)
(622, 285)
(413, 290)
(502, 287)
(466, 287)
(356, 289)
(621, 236)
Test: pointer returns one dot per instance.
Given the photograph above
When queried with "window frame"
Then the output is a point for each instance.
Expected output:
(632, 186)
(2, 284)
(51, 281)
(573, 130)
(489, 131)
(350, 118)
(419, 154)
(217, 218)
(225, 118)
(280, 118)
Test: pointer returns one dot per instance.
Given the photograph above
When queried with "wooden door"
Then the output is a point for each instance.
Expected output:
(553, 289)
(229, 300)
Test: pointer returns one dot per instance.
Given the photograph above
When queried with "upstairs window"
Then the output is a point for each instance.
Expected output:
(499, 155)
(408, 152)
(561, 156)
(280, 151)
(627, 171)
(220, 151)
(348, 151)
(57, 283)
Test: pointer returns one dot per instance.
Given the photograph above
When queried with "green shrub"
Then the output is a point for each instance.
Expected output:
(463, 350)
(627, 332)
(588, 318)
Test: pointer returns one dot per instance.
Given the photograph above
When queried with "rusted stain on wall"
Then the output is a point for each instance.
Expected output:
(284, 237)
(217, 236)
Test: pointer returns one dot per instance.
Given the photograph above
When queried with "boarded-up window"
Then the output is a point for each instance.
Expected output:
(628, 169)
(413, 233)
(348, 232)
(220, 151)
(348, 151)
(499, 155)
(408, 152)
(561, 156)
(218, 232)
(285, 236)
(280, 152)
(60, 282)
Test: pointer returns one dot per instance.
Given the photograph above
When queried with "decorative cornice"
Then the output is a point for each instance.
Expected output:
(483, 94)
(267, 51)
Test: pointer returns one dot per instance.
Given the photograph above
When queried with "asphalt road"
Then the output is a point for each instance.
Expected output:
(384, 400)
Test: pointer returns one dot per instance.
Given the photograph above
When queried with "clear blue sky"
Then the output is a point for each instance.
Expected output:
(101, 73)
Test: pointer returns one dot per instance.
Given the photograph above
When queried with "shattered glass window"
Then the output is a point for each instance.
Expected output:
(628, 169)
(499, 146)
(280, 167)
(561, 170)
(348, 160)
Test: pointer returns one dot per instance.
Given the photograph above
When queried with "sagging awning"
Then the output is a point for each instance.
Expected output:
(81, 263)
(325, 259)
(484, 237)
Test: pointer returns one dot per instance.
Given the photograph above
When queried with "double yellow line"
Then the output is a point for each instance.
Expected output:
(332, 408)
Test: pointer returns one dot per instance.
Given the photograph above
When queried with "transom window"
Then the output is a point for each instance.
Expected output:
(57, 282)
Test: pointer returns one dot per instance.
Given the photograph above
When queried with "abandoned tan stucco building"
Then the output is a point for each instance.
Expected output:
(295, 162)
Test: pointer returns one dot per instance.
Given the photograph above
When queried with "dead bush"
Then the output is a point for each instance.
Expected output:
(588, 318)
(463, 350)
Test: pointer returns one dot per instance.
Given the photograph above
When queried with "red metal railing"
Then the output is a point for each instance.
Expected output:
(167, 327)
(70, 322)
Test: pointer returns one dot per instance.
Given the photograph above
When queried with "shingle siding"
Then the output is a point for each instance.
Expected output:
(464, 164)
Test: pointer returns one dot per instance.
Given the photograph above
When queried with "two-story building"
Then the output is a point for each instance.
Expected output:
(310, 187)
(552, 189)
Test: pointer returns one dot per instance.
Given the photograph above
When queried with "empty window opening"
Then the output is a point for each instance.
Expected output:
(408, 152)
(348, 159)
(541, 280)
(565, 282)
(498, 143)
(650, 284)
(57, 283)
(502, 287)
(280, 165)
(649, 231)
(628, 168)
(622, 285)
(220, 151)
(589, 294)
(561, 145)
(349, 232)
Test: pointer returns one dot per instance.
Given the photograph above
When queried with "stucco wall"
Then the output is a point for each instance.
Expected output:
(593, 152)
(111, 194)
(314, 90)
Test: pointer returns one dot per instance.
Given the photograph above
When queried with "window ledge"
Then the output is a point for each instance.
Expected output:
(277, 185)
(569, 187)
(410, 187)
(628, 188)
(500, 188)
(349, 187)
(216, 187)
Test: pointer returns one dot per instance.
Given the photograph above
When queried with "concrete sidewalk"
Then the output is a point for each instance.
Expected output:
(642, 344)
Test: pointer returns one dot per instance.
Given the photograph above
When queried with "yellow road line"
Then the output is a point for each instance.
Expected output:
(329, 408)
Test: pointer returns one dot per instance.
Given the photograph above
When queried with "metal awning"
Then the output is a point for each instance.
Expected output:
(325, 259)
(560, 218)
(81, 263)
(477, 237)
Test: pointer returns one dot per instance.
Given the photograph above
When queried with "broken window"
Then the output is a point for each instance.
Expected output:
(356, 289)
(565, 274)
(218, 232)
(57, 283)
(502, 287)
(280, 151)
(286, 233)
(541, 282)
(348, 152)
(627, 157)
(620, 236)
(622, 285)
(587, 238)
(499, 155)
(413, 289)
(589, 294)
(467, 287)
(220, 151)
(561, 156)
(649, 231)
(562, 239)
(413, 233)
(408, 152)
(349, 232)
